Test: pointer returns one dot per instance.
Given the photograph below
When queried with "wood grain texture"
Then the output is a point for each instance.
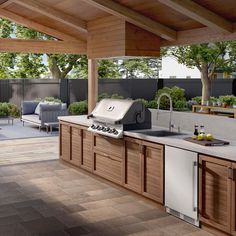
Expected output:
(153, 172)
(133, 168)
(76, 145)
(233, 221)
(65, 142)
(87, 158)
(215, 193)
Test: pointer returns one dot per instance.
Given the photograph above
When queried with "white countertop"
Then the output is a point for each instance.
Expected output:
(227, 152)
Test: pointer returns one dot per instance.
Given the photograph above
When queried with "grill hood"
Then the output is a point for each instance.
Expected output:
(119, 111)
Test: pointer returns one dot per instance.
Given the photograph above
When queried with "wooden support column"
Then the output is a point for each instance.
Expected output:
(92, 84)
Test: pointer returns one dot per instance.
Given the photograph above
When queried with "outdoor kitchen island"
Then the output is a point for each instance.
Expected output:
(137, 162)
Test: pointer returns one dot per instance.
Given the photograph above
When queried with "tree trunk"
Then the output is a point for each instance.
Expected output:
(55, 70)
(206, 83)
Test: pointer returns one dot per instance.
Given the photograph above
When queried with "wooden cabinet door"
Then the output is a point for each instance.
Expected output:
(153, 171)
(215, 193)
(132, 165)
(233, 222)
(108, 166)
(65, 142)
(87, 144)
(76, 145)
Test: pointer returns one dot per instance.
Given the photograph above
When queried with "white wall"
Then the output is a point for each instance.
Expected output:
(170, 67)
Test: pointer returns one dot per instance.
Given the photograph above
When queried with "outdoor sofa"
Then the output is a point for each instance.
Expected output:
(39, 113)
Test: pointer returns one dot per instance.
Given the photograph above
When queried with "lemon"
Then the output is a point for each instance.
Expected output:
(201, 137)
(209, 137)
(194, 137)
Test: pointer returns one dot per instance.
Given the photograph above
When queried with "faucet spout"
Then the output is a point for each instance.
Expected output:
(171, 107)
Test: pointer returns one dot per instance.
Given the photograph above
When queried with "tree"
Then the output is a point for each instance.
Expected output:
(207, 57)
(140, 68)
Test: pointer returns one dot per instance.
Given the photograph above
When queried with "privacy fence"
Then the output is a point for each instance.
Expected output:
(71, 90)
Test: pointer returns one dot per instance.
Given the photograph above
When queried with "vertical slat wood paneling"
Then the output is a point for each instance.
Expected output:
(215, 193)
(233, 221)
(153, 172)
(76, 145)
(86, 161)
(109, 167)
(65, 141)
(133, 173)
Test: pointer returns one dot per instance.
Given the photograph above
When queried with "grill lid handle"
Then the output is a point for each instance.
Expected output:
(90, 116)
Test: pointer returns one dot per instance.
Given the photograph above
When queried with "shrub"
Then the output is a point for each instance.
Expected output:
(116, 96)
(9, 109)
(145, 102)
(49, 99)
(102, 96)
(181, 105)
(197, 100)
(176, 93)
(78, 108)
(152, 104)
(229, 99)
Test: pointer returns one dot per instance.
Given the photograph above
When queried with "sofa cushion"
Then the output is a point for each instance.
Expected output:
(51, 107)
(28, 107)
(37, 109)
(31, 118)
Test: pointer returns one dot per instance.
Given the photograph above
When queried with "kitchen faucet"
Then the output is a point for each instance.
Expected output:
(171, 108)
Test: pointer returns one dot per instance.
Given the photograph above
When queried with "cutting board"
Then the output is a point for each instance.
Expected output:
(215, 142)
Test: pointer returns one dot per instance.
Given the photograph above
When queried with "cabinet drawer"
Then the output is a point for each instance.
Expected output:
(107, 166)
(109, 145)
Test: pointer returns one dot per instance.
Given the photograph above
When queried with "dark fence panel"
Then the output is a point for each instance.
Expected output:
(193, 87)
(76, 89)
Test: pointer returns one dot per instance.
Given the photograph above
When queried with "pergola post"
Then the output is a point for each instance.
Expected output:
(92, 84)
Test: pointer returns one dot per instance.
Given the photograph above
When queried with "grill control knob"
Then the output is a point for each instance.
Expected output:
(99, 127)
(104, 129)
(107, 129)
(114, 131)
(93, 126)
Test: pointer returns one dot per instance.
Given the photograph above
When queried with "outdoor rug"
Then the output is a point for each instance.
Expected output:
(18, 131)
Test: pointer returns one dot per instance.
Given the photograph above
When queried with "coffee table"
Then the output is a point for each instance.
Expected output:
(50, 125)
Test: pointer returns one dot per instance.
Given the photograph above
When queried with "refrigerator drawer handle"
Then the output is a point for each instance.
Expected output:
(195, 182)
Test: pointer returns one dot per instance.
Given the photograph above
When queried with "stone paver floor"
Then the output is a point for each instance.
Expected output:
(51, 198)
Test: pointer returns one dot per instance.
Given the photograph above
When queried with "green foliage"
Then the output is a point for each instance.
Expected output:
(229, 99)
(49, 99)
(108, 69)
(152, 104)
(176, 93)
(140, 68)
(78, 108)
(9, 109)
(106, 95)
(197, 100)
(145, 102)
(181, 105)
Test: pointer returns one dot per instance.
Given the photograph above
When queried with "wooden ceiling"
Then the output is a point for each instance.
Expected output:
(176, 22)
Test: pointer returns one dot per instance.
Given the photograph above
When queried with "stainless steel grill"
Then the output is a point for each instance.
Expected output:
(112, 116)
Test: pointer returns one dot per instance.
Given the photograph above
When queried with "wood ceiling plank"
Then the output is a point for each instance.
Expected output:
(41, 46)
(200, 14)
(5, 3)
(48, 11)
(202, 35)
(134, 17)
(36, 26)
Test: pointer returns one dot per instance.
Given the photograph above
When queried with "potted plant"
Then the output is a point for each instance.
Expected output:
(213, 101)
(227, 100)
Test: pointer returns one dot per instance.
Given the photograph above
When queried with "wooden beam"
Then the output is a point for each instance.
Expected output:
(134, 17)
(41, 46)
(199, 13)
(5, 3)
(92, 84)
(62, 17)
(36, 26)
(202, 35)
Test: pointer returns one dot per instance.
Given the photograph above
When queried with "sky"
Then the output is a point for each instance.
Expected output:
(170, 67)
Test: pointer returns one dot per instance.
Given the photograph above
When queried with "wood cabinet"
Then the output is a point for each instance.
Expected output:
(75, 145)
(233, 221)
(65, 142)
(108, 158)
(87, 144)
(133, 165)
(153, 171)
(215, 188)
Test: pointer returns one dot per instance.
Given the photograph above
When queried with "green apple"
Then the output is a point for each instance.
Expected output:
(194, 137)
(209, 137)
(200, 137)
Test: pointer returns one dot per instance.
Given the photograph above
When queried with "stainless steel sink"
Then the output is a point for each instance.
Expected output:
(159, 133)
